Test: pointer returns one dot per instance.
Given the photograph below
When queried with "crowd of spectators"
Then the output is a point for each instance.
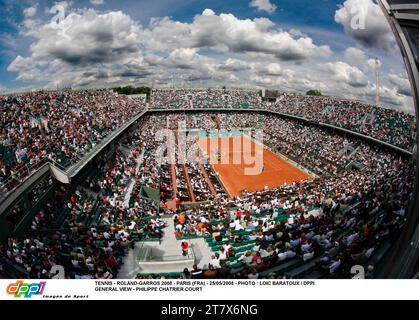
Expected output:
(204, 98)
(59, 126)
(388, 125)
(328, 224)
(318, 149)
(334, 221)
(84, 254)
(97, 220)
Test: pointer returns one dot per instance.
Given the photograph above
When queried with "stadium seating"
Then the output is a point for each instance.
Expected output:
(319, 227)
(59, 127)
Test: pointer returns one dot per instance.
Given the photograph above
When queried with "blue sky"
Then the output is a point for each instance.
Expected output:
(290, 45)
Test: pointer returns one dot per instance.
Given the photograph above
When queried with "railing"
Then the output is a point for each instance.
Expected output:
(10, 184)
(74, 169)
(13, 184)
(11, 269)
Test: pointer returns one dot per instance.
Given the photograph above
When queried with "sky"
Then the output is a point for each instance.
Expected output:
(287, 45)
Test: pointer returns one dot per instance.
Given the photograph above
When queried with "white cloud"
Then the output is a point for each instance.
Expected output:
(234, 65)
(87, 38)
(30, 11)
(262, 80)
(92, 48)
(388, 96)
(359, 58)
(63, 4)
(97, 2)
(401, 84)
(227, 33)
(297, 33)
(364, 21)
(28, 69)
(185, 60)
(356, 56)
(97, 49)
(208, 12)
(188, 58)
(263, 5)
(3, 90)
(272, 69)
(344, 73)
(87, 47)
(184, 57)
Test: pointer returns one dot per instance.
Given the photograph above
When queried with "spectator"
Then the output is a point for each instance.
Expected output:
(196, 273)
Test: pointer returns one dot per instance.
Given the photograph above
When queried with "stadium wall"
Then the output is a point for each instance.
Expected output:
(400, 15)
(17, 195)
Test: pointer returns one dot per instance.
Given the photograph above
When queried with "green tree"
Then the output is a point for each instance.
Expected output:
(128, 90)
(313, 93)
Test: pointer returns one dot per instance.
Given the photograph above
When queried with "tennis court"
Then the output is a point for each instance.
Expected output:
(271, 171)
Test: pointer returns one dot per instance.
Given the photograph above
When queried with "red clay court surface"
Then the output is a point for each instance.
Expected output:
(277, 171)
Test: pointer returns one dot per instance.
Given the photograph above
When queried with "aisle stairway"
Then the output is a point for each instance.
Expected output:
(168, 250)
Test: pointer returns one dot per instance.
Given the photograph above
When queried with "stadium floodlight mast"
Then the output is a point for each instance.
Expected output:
(377, 81)
(403, 17)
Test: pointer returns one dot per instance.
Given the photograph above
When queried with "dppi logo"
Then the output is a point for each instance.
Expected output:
(27, 290)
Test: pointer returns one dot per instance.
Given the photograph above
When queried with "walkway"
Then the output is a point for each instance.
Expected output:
(169, 248)
(172, 158)
(131, 185)
(206, 177)
(185, 171)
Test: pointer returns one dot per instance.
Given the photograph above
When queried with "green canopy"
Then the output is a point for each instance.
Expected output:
(153, 194)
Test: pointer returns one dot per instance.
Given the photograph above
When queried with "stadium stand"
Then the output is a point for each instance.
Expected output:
(387, 125)
(394, 127)
(319, 227)
(208, 98)
(60, 127)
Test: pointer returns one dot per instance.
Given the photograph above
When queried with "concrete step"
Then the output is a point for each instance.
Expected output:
(167, 255)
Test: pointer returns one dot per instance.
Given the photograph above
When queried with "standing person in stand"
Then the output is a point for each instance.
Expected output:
(184, 245)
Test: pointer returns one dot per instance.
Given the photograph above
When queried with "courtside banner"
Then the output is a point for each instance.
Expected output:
(24, 289)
